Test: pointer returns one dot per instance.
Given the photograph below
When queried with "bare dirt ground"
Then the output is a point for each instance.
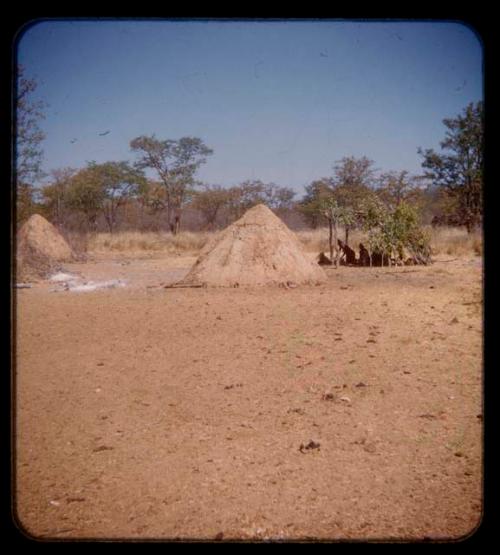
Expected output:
(350, 410)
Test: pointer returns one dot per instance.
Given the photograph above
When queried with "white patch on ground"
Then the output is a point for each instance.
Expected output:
(70, 282)
(61, 277)
(93, 285)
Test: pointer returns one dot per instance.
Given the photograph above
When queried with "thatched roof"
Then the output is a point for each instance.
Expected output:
(257, 249)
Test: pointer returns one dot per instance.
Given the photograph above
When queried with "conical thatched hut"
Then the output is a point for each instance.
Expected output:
(258, 249)
(40, 249)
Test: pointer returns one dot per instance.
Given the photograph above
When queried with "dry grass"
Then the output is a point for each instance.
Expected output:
(445, 240)
(316, 240)
(455, 241)
(125, 241)
(187, 241)
(79, 242)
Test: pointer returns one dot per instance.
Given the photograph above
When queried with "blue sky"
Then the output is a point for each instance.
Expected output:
(276, 101)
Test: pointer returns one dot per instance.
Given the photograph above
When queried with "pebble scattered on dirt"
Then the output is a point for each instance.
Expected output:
(142, 415)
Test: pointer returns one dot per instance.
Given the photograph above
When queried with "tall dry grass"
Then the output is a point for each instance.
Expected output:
(79, 242)
(444, 240)
(455, 241)
(316, 240)
(133, 241)
(188, 241)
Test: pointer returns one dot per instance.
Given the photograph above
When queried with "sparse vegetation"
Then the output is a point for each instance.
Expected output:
(175, 163)
(28, 139)
(139, 212)
(443, 240)
(117, 196)
(278, 340)
(133, 241)
(455, 241)
(458, 170)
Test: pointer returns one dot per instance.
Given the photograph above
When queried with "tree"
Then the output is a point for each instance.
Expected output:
(119, 182)
(396, 187)
(354, 172)
(175, 163)
(250, 193)
(86, 195)
(459, 169)
(243, 196)
(436, 206)
(391, 230)
(55, 195)
(335, 215)
(316, 193)
(25, 202)
(403, 231)
(210, 201)
(372, 215)
(28, 134)
(28, 138)
(278, 197)
(352, 182)
(103, 189)
(152, 200)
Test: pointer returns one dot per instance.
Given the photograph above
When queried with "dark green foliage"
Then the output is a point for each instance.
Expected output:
(459, 168)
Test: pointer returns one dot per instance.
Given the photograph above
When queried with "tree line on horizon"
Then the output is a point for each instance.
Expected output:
(160, 187)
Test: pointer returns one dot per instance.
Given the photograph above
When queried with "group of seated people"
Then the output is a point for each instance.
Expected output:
(348, 256)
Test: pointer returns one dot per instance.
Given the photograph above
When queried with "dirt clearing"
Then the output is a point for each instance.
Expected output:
(347, 410)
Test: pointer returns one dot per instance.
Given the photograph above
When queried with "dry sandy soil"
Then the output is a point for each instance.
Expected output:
(146, 412)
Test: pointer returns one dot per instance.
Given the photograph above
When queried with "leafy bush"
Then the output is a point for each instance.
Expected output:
(392, 232)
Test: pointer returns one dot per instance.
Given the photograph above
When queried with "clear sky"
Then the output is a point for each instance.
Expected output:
(277, 101)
